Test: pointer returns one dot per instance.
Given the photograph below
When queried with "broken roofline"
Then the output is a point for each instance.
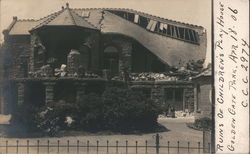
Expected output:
(153, 17)
(157, 18)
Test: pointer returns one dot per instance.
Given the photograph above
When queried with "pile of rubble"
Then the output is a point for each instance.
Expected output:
(61, 72)
(117, 78)
(44, 71)
(178, 114)
(91, 75)
(183, 114)
(47, 71)
(150, 76)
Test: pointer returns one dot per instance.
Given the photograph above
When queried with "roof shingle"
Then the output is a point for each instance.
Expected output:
(66, 17)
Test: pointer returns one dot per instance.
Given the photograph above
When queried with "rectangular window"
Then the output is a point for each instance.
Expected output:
(187, 35)
(172, 30)
(196, 36)
(157, 27)
(143, 22)
(191, 32)
(131, 17)
(119, 13)
(175, 32)
(169, 30)
(169, 93)
(178, 94)
(181, 32)
(85, 14)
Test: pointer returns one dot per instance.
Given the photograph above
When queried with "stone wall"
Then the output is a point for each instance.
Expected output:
(17, 52)
(204, 97)
(189, 98)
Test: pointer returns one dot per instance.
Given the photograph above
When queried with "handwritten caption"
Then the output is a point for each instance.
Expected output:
(231, 76)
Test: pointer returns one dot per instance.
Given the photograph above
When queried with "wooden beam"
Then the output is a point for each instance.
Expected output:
(184, 33)
(192, 32)
(178, 32)
(188, 35)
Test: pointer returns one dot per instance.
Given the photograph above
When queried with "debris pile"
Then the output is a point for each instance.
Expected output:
(44, 71)
(47, 71)
(117, 78)
(150, 76)
(91, 75)
(183, 114)
(61, 72)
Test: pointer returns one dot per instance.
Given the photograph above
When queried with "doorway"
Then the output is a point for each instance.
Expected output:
(174, 98)
(111, 60)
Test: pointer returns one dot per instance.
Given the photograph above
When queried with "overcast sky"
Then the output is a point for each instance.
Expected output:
(196, 12)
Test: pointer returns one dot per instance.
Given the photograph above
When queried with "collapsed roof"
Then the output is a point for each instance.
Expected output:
(154, 33)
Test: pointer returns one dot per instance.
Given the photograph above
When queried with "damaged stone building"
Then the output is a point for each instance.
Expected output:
(73, 52)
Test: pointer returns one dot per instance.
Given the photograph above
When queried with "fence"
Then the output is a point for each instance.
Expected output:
(117, 148)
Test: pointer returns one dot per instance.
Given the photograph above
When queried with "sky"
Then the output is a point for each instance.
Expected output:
(197, 12)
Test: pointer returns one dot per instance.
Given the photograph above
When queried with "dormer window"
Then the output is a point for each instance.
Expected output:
(85, 14)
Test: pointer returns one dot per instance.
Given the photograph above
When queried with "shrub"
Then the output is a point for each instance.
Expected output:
(203, 123)
(90, 112)
(117, 109)
(126, 109)
(24, 115)
(56, 116)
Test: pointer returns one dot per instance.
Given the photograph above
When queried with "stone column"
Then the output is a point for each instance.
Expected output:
(73, 63)
(20, 93)
(80, 90)
(157, 94)
(49, 92)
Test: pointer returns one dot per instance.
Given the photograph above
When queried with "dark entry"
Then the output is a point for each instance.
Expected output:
(174, 97)
(111, 60)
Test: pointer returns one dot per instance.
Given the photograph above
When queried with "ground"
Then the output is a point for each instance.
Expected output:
(177, 131)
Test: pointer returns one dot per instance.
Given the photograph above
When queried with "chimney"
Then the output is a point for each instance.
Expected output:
(15, 18)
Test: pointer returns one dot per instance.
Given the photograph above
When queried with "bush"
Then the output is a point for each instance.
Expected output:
(117, 109)
(91, 112)
(24, 115)
(126, 109)
(57, 116)
(203, 123)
